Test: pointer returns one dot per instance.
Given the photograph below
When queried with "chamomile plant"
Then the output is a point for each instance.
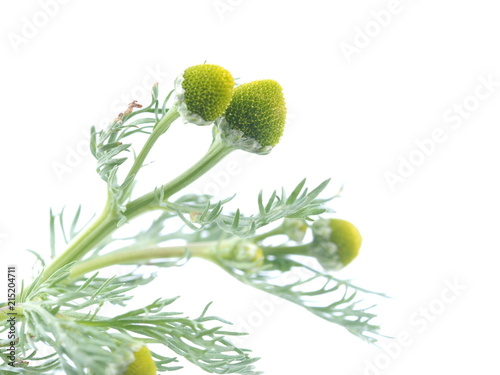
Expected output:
(288, 247)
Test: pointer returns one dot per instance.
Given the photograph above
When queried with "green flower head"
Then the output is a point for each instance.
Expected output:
(203, 93)
(336, 243)
(257, 114)
(142, 364)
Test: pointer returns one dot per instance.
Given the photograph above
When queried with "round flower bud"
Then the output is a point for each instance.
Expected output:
(240, 253)
(202, 93)
(295, 229)
(143, 363)
(336, 243)
(255, 119)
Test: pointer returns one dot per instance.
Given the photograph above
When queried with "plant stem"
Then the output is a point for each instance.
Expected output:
(158, 130)
(141, 255)
(108, 221)
(287, 250)
(217, 151)
(273, 232)
(86, 240)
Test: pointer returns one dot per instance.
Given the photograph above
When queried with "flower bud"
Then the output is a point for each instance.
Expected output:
(143, 363)
(295, 229)
(240, 253)
(255, 119)
(336, 243)
(202, 93)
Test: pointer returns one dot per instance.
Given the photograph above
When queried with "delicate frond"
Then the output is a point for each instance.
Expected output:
(334, 300)
(300, 204)
(63, 317)
(63, 231)
(108, 145)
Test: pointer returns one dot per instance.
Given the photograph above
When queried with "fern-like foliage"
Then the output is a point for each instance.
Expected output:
(299, 204)
(64, 319)
(334, 300)
(108, 145)
(63, 323)
(111, 145)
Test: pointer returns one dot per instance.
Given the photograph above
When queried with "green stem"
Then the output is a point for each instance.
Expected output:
(273, 232)
(86, 240)
(142, 255)
(287, 250)
(108, 221)
(217, 151)
(158, 130)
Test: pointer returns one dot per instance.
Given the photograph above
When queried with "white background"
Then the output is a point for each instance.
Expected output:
(353, 118)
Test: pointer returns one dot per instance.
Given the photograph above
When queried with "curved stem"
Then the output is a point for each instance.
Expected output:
(140, 255)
